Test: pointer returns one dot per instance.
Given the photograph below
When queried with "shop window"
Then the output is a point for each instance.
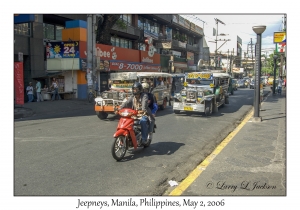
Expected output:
(117, 42)
(22, 29)
(113, 41)
(130, 44)
(52, 32)
(49, 31)
(122, 44)
(126, 43)
(58, 32)
(151, 27)
(141, 23)
(127, 19)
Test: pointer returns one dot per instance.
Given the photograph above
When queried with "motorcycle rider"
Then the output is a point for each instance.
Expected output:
(139, 101)
(152, 104)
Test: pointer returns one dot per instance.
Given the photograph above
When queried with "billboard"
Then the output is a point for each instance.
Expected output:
(62, 49)
(279, 37)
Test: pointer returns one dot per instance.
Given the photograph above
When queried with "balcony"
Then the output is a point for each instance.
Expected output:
(166, 18)
(193, 48)
(133, 31)
(172, 44)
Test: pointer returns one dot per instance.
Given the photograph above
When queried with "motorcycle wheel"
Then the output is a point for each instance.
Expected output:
(148, 142)
(119, 148)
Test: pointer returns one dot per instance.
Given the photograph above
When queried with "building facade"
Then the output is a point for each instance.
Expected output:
(39, 41)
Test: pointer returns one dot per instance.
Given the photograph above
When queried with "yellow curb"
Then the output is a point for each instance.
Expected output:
(203, 165)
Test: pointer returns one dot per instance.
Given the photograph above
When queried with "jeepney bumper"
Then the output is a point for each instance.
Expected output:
(107, 105)
(188, 107)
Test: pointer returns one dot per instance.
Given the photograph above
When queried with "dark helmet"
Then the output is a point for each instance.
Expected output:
(139, 88)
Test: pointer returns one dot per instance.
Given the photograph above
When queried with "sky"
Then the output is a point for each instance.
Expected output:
(240, 25)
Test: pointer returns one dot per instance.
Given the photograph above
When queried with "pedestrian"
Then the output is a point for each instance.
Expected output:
(29, 91)
(38, 91)
(279, 86)
(55, 87)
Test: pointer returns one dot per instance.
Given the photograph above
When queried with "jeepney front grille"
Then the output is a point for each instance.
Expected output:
(191, 96)
(113, 95)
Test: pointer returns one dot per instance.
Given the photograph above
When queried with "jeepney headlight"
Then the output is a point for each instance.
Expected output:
(183, 92)
(104, 95)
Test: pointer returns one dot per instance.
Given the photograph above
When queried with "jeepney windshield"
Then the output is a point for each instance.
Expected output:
(197, 81)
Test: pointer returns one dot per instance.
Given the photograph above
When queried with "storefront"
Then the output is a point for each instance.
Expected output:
(72, 63)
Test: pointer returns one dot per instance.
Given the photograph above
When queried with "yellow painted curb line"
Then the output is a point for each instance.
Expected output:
(202, 166)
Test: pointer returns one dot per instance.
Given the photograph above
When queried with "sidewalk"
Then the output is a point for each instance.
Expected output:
(253, 162)
(48, 107)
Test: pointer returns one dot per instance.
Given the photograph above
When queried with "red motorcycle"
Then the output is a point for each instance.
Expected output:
(128, 133)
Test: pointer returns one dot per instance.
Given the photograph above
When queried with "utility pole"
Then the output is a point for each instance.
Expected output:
(93, 21)
(90, 52)
(217, 21)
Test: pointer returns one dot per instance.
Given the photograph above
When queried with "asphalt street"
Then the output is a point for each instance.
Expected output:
(63, 152)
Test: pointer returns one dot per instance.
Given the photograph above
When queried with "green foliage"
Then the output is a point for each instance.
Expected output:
(121, 24)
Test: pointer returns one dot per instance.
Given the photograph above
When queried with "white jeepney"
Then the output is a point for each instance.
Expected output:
(203, 92)
(121, 89)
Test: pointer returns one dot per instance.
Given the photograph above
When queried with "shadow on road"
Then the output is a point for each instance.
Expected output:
(159, 148)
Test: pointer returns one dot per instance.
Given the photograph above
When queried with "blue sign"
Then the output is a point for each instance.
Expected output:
(18, 18)
(62, 49)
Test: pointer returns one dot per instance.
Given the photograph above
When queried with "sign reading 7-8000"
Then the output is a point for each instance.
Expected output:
(199, 76)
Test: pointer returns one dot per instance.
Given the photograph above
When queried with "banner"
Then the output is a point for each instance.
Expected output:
(19, 83)
(62, 49)
(129, 66)
(279, 37)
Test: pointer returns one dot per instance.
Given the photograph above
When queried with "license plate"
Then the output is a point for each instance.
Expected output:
(188, 108)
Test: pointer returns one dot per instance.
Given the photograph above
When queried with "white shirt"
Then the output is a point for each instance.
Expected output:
(29, 90)
(55, 84)
(279, 83)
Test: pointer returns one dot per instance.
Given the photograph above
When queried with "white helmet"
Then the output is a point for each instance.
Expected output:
(145, 85)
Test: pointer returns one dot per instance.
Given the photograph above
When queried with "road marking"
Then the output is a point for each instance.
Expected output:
(202, 166)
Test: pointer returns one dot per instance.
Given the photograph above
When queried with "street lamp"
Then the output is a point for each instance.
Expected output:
(258, 30)
(275, 58)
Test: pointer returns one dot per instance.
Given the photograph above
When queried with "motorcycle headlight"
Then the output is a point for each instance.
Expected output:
(104, 95)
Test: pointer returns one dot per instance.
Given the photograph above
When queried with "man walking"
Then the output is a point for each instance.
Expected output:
(38, 91)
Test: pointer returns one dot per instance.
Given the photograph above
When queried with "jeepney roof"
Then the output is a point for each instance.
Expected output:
(215, 73)
(178, 75)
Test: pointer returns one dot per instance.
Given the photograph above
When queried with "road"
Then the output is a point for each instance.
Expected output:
(66, 155)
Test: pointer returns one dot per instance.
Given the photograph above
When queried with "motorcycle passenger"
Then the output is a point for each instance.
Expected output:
(139, 101)
(152, 104)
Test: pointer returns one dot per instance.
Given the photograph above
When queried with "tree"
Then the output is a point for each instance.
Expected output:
(103, 35)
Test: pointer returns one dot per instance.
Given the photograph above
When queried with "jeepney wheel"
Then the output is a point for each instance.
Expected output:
(226, 100)
(176, 111)
(215, 108)
(164, 105)
(102, 115)
(208, 108)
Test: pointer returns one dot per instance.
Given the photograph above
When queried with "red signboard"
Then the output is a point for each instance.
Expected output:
(19, 82)
(108, 52)
(129, 66)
